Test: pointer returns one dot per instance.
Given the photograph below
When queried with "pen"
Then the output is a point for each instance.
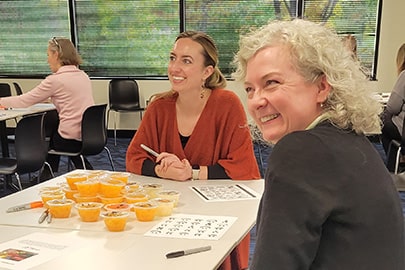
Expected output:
(150, 151)
(25, 206)
(187, 252)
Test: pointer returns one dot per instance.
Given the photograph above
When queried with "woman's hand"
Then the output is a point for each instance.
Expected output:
(179, 170)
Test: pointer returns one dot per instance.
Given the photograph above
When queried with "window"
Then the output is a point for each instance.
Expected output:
(123, 38)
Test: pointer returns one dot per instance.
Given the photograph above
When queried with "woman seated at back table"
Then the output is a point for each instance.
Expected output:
(199, 129)
(69, 89)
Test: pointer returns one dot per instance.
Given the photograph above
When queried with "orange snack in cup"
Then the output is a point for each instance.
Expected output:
(123, 207)
(88, 188)
(122, 176)
(106, 200)
(60, 208)
(115, 221)
(69, 193)
(72, 178)
(145, 211)
(51, 195)
(89, 211)
(111, 188)
(79, 198)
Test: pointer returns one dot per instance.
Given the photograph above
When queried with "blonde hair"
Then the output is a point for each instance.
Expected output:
(401, 59)
(68, 54)
(315, 51)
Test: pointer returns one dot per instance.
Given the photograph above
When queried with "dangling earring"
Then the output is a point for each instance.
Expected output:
(202, 93)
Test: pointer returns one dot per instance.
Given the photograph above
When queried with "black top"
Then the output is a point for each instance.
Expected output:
(329, 203)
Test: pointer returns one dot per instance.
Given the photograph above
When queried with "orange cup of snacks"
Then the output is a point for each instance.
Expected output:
(115, 221)
(134, 197)
(60, 208)
(51, 195)
(111, 188)
(165, 207)
(89, 211)
(125, 207)
(152, 189)
(122, 176)
(69, 193)
(79, 198)
(145, 211)
(50, 188)
(72, 178)
(88, 188)
(132, 187)
(170, 194)
(106, 200)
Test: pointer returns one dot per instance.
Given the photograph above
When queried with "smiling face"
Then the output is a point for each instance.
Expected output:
(280, 100)
(186, 68)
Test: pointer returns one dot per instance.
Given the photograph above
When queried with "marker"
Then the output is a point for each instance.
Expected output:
(150, 151)
(187, 252)
(25, 206)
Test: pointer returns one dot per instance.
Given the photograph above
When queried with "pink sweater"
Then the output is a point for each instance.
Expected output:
(70, 91)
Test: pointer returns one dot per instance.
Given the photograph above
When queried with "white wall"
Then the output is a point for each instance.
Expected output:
(391, 37)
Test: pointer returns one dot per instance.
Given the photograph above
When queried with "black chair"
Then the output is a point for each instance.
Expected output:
(123, 96)
(17, 89)
(5, 90)
(395, 150)
(30, 149)
(94, 135)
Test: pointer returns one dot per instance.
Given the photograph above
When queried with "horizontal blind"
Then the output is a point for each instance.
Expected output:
(25, 28)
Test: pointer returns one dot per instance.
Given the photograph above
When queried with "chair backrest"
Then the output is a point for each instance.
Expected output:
(30, 146)
(123, 95)
(5, 90)
(17, 88)
(94, 130)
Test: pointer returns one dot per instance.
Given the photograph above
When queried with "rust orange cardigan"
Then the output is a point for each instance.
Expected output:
(221, 136)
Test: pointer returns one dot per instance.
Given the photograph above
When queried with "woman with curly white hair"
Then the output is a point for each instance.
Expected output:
(329, 201)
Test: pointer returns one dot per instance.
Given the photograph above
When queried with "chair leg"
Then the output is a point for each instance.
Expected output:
(50, 169)
(397, 160)
(110, 157)
(115, 128)
(83, 163)
(18, 181)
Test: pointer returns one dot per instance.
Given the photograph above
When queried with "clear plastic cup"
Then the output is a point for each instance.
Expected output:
(107, 200)
(89, 211)
(115, 221)
(123, 207)
(170, 194)
(122, 176)
(111, 188)
(51, 195)
(145, 211)
(165, 206)
(79, 198)
(72, 178)
(69, 193)
(60, 208)
(152, 189)
(88, 188)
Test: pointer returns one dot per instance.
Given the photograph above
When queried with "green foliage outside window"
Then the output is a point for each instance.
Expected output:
(133, 38)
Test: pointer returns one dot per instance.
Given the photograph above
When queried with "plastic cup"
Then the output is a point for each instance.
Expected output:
(152, 189)
(60, 208)
(111, 188)
(132, 187)
(170, 194)
(79, 198)
(89, 211)
(106, 200)
(72, 178)
(134, 197)
(88, 188)
(123, 207)
(51, 195)
(69, 193)
(115, 221)
(145, 211)
(50, 188)
(165, 206)
(122, 176)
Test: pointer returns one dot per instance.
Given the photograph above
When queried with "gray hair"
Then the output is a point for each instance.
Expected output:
(316, 50)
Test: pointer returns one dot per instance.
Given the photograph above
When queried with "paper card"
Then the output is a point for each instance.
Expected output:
(217, 193)
(192, 227)
(32, 250)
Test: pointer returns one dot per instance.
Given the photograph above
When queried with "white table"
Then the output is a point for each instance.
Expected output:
(100, 249)
(18, 112)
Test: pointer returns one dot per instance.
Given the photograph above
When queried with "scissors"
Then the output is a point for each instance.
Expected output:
(46, 215)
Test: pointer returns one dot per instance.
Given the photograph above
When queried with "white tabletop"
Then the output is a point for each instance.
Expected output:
(11, 113)
(99, 249)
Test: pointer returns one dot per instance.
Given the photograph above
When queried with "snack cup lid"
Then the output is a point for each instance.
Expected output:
(115, 214)
(88, 205)
(147, 204)
(56, 202)
(117, 207)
